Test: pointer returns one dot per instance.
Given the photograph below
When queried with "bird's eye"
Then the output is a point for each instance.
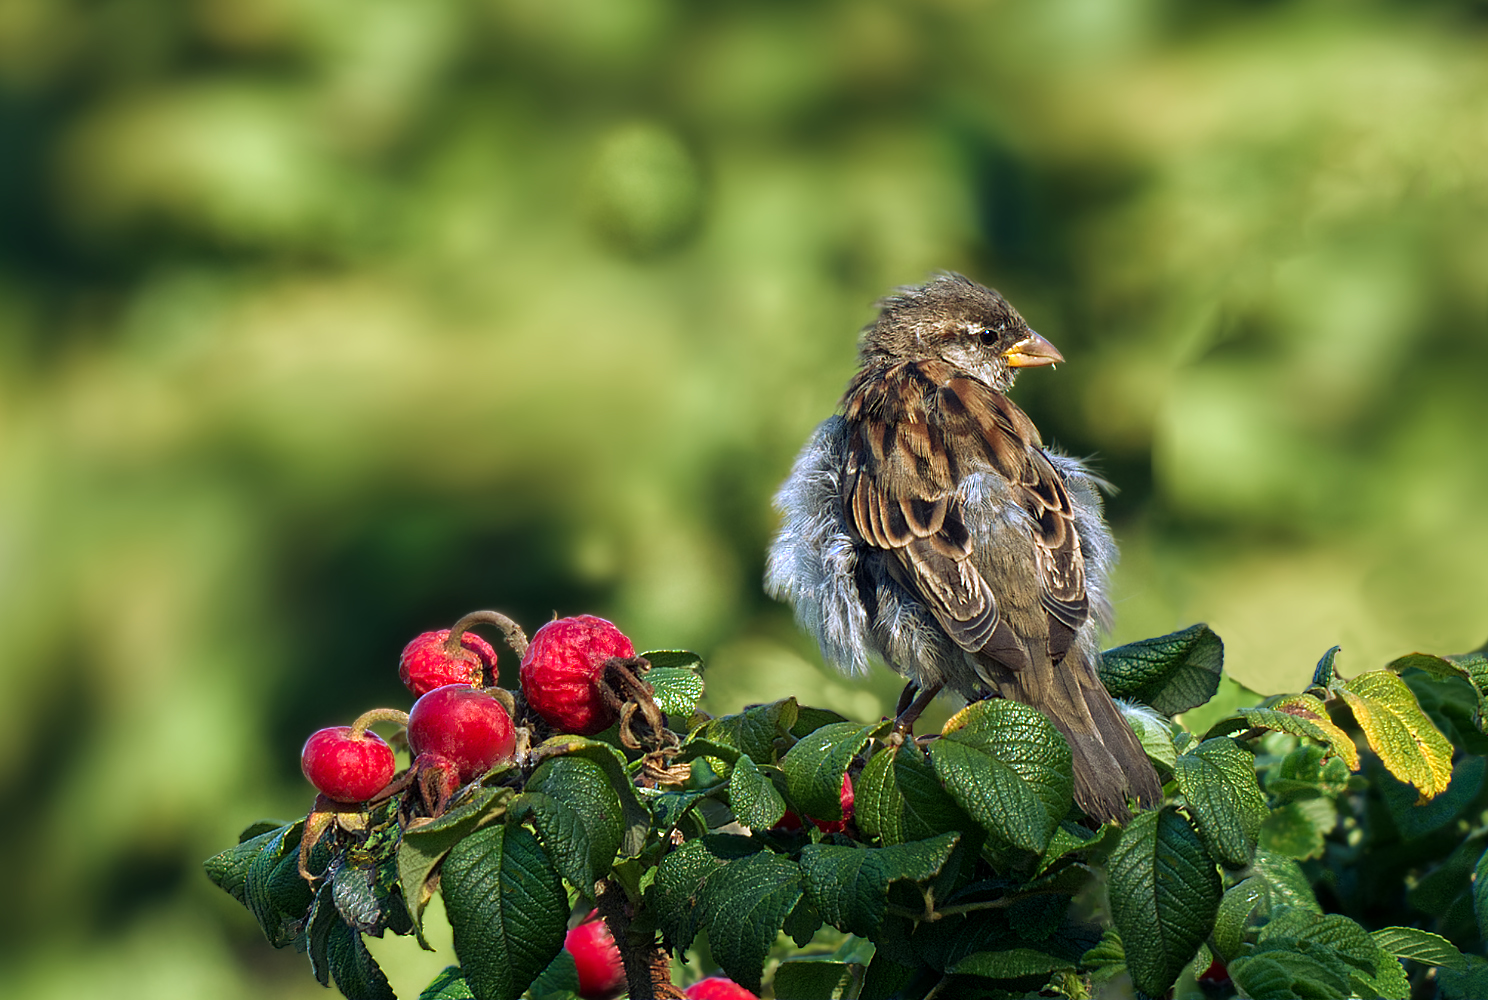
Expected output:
(988, 337)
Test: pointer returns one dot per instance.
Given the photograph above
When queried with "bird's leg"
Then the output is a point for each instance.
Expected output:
(909, 710)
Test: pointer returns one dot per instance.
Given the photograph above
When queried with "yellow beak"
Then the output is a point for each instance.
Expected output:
(1032, 351)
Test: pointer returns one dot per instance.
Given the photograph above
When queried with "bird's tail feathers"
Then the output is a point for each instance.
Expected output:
(1109, 763)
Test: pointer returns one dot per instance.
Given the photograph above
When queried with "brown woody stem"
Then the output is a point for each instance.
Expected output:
(375, 715)
(648, 970)
(515, 637)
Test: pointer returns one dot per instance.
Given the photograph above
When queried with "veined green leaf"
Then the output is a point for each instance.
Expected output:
(423, 846)
(744, 905)
(815, 765)
(849, 886)
(508, 909)
(1009, 768)
(1420, 946)
(579, 815)
(1172, 673)
(1218, 779)
(1165, 893)
(755, 800)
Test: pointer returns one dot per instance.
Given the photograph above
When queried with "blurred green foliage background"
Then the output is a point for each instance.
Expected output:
(325, 321)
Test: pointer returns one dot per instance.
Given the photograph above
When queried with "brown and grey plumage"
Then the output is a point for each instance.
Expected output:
(927, 525)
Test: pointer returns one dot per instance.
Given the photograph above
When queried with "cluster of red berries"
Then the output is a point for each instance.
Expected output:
(458, 729)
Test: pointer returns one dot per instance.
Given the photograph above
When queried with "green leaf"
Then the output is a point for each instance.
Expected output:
(423, 846)
(849, 886)
(806, 979)
(1414, 820)
(1284, 880)
(635, 817)
(684, 659)
(1069, 837)
(1323, 674)
(1412, 748)
(353, 968)
(668, 806)
(1297, 829)
(1470, 984)
(1276, 974)
(763, 732)
(1308, 772)
(809, 720)
(815, 765)
(681, 878)
(676, 681)
(1439, 890)
(1218, 779)
(1172, 673)
(507, 907)
(898, 798)
(1164, 893)
(1105, 958)
(273, 890)
(1337, 943)
(744, 905)
(1472, 667)
(1233, 918)
(755, 800)
(229, 869)
(1298, 714)
(578, 814)
(1012, 963)
(1480, 892)
(448, 985)
(1156, 736)
(1420, 946)
(1009, 768)
(318, 925)
(559, 981)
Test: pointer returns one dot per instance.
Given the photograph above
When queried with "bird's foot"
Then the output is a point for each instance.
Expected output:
(911, 705)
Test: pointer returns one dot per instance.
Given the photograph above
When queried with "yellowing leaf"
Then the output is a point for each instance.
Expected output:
(1311, 709)
(1411, 747)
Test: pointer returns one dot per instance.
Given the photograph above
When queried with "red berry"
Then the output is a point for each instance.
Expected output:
(789, 822)
(1216, 973)
(563, 668)
(838, 825)
(601, 972)
(466, 726)
(717, 988)
(345, 768)
(426, 664)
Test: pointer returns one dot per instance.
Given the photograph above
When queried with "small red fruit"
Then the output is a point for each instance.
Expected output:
(1216, 973)
(463, 725)
(345, 767)
(601, 972)
(563, 668)
(717, 988)
(426, 664)
(838, 825)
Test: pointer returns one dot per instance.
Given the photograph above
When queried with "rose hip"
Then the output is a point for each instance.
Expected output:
(347, 767)
(717, 988)
(601, 972)
(426, 664)
(467, 727)
(563, 670)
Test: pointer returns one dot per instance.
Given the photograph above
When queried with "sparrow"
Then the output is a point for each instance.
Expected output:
(926, 525)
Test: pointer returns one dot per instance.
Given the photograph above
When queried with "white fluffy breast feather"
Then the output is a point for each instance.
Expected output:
(812, 562)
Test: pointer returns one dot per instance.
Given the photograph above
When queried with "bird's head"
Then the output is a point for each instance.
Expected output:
(956, 320)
